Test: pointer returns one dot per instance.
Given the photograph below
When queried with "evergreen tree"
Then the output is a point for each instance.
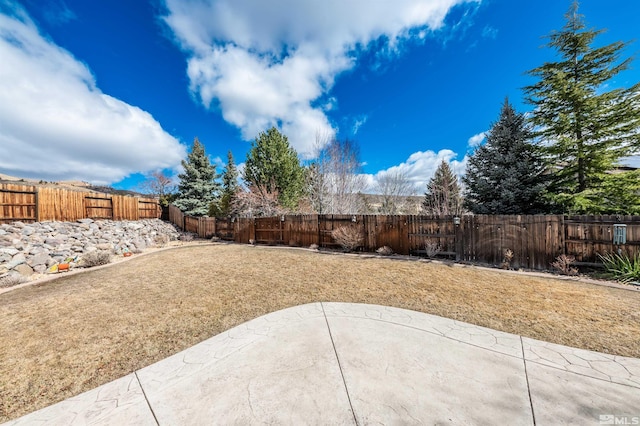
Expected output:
(506, 174)
(198, 187)
(443, 195)
(230, 187)
(273, 167)
(586, 128)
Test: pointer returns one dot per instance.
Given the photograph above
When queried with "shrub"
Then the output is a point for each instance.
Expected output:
(349, 237)
(314, 247)
(161, 240)
(10, 280)
(385, 251)
(622, 267)
(95, 258)
(563, 265)
(215, 239)
(432, 248)
(186, 237)
(507, 259)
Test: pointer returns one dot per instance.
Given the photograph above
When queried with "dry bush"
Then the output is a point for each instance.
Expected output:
(95, 258)
(507, 259)
(161, 240)
(186, 237)
(563, 265)
(11, 279)
(314, 247)
(385, 251)
(432, 248)
(349, 237)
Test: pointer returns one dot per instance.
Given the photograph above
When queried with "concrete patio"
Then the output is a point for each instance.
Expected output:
(339, 363)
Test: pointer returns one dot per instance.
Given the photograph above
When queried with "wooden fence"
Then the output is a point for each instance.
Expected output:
(535, 241)
(37, 204)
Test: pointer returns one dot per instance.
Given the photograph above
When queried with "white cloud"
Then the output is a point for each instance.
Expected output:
(489, 32)
(475, 140)
(266, 63)
(421, 166)
(359, 122)
(56, 124)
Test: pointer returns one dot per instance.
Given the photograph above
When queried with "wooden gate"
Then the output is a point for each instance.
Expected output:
(225, 229)
(269, 230)
(432, 235)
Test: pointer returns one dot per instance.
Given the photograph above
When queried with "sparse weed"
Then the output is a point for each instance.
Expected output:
(95, 258)
(385, 251)
(11, 279)
(563, 265)
(432, 248)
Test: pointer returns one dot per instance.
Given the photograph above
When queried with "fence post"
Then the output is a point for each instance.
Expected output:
(37, 201)
(457, 220)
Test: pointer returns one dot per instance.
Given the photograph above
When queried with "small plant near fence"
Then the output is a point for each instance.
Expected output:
(507, 259)
(621, 267)
(563, 264)
(186, 237)
(432, 248)
(349, 237)
(385, 251)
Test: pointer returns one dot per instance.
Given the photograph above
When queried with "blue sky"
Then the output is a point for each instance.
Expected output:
(109, 91)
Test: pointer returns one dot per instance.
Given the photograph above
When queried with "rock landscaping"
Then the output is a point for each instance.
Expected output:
(28, 250)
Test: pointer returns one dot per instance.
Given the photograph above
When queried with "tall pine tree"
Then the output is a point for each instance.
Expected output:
(272, 167)
(198, 187)
(586, 128)
(443, 196)
(230, 186)
(506, 174)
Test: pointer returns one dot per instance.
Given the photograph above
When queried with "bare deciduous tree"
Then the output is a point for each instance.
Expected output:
(335, 177)
(159, 185)
(257, 201)
(395, 187)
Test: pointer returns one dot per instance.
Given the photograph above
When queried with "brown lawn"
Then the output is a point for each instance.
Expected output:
(70, 335)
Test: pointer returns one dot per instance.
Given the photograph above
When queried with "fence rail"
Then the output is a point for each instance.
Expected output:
(535, 241)
(28, 203)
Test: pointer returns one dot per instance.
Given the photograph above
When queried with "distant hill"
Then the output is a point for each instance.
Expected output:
(72, 185)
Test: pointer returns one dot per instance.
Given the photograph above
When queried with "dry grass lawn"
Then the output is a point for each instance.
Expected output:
(75, 333)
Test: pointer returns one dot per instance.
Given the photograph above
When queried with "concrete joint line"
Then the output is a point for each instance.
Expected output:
(146, 399)
(346, 389)
(526, 376)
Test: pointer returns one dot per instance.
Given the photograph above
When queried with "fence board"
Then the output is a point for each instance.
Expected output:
(206, 227)
(149, 208)
(301, 230)
(269, 230)
(18, 203)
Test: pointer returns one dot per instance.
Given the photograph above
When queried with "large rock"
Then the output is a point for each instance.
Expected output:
(38, 259)
(16, 260)
(34, 247)
(24, 270)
